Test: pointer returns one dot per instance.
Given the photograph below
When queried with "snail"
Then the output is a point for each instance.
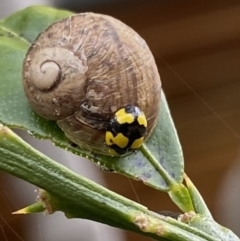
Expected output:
(97, 78)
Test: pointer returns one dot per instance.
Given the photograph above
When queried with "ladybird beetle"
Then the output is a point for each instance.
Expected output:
(126, 130)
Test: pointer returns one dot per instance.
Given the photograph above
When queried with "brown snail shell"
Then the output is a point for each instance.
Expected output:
(84, 68)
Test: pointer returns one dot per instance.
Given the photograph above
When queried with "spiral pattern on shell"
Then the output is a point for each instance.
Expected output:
(84, 68)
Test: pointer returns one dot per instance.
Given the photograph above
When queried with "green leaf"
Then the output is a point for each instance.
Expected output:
(16, 34)
(200, 206)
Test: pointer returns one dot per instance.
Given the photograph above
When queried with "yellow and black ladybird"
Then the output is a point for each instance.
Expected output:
(126, 130)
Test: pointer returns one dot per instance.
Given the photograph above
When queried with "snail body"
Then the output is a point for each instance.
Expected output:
(83, 69)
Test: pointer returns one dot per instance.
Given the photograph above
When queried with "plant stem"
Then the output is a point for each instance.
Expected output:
(82, 198)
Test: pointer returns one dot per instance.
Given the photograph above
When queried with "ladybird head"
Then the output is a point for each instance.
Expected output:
(126, 130)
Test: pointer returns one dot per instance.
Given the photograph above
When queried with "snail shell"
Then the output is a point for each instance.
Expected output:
(82, 69)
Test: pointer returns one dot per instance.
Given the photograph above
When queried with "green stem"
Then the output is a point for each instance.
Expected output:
(176, 223)
(82, 198)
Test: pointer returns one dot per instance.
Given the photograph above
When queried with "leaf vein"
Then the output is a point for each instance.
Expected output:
(14, 34)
